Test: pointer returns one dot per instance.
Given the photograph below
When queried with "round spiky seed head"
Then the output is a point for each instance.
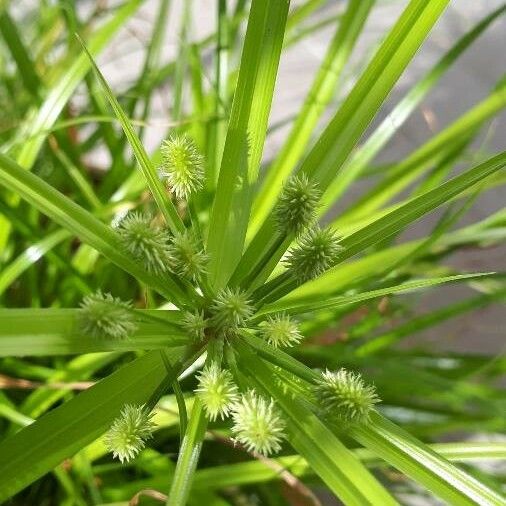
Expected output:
(297, 204)
(189, 260)
(344, 395)
(182, 166)
(316, 251)
(102, 315)
(280, 330)
(148, 245)
(128, 433)
(257, 424)
(231, 310)
(195, 324)
(217, 391)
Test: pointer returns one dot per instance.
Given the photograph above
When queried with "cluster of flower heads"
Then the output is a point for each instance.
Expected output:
(228, 312)
(257, 423)
(317, 249)
(159, 251)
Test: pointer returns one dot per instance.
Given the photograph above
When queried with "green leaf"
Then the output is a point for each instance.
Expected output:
(418, 206)
(20, 54)
(80, 368)
(253, 472)
(155, 185)
(309, 305)
(79, 222)
(423, 465)
(328, 457)
(245, 136)
(42, 332)
(188, 456)
(75, 424)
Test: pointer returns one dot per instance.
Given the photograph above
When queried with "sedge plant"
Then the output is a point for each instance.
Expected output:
(181, 300)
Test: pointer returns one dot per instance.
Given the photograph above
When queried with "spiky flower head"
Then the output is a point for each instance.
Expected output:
(231, 309)
(129, 431)
(217, 391)
(195, 324)
(148, 245)
(257, 424)
(297, 204)
(344, 395)
(280, 330)
(189, 260)
(316, 251)
(102, 315)
(182, 166)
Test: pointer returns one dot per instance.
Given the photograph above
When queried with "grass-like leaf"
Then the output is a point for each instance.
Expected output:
(57, 332)
(245, 136)
(424, 465)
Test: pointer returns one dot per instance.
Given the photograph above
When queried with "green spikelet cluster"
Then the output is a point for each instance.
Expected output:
(231, 310)
(128, 433)
(102, 315)
(182, 166)
(280, 330)
(147, 244)
(345, 396)
(297, 204)
(189, 260)
(195, 324)
(257, 424)
(317, 250)
(217, 391)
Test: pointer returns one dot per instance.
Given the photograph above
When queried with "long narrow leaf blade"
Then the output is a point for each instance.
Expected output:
(43, 332)
(245, 136)
(297, 306)
(396, 118)
(424, 465)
